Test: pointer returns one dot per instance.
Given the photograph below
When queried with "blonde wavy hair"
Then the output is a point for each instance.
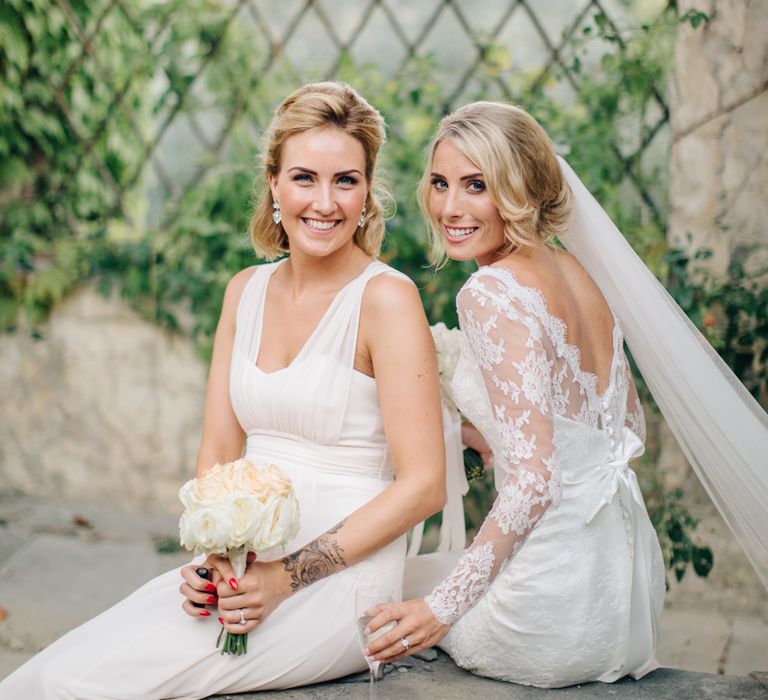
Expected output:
(315, 107)
(521, 171)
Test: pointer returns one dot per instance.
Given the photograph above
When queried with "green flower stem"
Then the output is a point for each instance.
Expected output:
(236, 644)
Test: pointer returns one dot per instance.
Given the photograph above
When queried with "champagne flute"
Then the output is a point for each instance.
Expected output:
(367, 597)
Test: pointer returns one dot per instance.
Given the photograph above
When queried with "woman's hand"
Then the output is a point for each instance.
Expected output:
(196, 589)
(471, 437)
(415, 623)
(263, 586)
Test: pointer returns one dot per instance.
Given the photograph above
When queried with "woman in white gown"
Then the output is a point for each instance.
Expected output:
(564, 581)
(322, 363)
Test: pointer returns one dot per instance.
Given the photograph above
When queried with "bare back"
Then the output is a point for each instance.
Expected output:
(572, 296)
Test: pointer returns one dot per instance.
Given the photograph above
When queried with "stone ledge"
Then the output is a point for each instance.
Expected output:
(443, 680)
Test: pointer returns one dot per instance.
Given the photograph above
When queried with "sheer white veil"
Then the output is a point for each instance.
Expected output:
(720, 427)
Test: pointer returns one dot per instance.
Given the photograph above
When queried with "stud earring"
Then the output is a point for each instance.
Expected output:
(361, 223)
(277, 217)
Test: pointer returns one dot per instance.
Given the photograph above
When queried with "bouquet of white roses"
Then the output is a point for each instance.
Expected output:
(236, 508)
(448, 347)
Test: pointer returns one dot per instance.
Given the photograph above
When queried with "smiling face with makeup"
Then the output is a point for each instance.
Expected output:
(321, 188)
(462, 206)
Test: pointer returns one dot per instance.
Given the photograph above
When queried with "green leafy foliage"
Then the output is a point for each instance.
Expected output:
(88, 87)
(676, 526)
(731, 311)
(77, 110)
(694, 17)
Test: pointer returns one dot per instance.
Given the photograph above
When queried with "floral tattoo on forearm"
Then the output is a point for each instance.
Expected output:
(320, 558)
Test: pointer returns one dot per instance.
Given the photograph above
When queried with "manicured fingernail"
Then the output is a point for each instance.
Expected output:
(233, 584)
(221, 620)
(210, 587)
(367, 631)
(204, 613)
(367, 654)
(212, 599)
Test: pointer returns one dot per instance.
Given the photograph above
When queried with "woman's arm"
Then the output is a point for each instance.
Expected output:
(507, 343)
(395, 332)
(395, 335)
(222, 438)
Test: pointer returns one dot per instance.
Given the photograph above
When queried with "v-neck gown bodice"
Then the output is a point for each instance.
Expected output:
(319, 402)
(319, 420)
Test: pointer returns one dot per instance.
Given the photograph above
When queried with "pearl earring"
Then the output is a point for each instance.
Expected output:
(277, 217)
(361, 223)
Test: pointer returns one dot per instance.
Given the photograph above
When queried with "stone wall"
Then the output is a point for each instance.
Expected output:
(718, 187)
(719, 197)
(719, 118)
(104, 407)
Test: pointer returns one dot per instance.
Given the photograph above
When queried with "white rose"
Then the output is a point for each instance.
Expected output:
(188, 495)
(187, 531)
(215, 484)
(262, 535)
(211, 528)
(448, 347)
(289, 518)
(280, 521)
(238, 504)
(244, 512)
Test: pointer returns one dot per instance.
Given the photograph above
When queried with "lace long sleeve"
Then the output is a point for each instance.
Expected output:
(635, 418)
(508, 345)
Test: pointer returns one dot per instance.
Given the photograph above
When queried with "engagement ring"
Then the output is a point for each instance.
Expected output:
(243, 621)
(406, 644)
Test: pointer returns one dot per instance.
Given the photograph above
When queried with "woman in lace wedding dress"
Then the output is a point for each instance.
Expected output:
(333, 407)
(564, 581)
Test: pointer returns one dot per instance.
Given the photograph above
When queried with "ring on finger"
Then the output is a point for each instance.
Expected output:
(406, 644)
(242, 619)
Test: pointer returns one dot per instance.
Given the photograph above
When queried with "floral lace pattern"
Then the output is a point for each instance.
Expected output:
(518, 352)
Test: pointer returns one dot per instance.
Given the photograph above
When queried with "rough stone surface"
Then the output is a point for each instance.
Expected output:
(748, 648)
(684, 646)
(442, 680)
(104, 406)
(718, 102)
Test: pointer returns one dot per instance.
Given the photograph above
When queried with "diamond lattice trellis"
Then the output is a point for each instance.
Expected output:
(292, 41)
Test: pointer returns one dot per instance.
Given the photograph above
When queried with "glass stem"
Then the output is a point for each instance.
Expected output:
(372, 683)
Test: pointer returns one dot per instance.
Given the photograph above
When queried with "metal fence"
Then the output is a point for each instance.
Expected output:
(214, 82)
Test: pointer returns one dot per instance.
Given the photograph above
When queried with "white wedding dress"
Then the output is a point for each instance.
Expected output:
(564, 582)
(319, 420)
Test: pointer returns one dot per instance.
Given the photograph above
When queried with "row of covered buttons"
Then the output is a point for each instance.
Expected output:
(609, 426)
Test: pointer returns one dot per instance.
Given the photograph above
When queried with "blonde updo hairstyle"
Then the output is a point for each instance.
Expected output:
(521, 171)
(315, 107)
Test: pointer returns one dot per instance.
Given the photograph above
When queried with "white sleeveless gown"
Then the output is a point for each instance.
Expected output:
(320, 421)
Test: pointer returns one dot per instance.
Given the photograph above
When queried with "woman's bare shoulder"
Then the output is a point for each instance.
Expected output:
(234, 289)
(390, 291)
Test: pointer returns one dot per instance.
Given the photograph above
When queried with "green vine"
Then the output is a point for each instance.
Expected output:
(83, 92)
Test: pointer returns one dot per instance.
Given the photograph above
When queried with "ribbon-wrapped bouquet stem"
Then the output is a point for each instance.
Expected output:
(236, 508)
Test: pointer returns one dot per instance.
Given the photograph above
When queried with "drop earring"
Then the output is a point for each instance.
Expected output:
(277, 217)
(361, 222)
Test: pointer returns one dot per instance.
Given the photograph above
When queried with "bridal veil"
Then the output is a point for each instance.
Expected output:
(720, 427)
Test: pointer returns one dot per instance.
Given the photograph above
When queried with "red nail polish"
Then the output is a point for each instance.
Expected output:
(212, 599)
(210, 588)
(204, 613)
(233, 584)
(221, 620)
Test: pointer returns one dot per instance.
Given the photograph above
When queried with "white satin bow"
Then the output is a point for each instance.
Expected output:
(616, 476)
